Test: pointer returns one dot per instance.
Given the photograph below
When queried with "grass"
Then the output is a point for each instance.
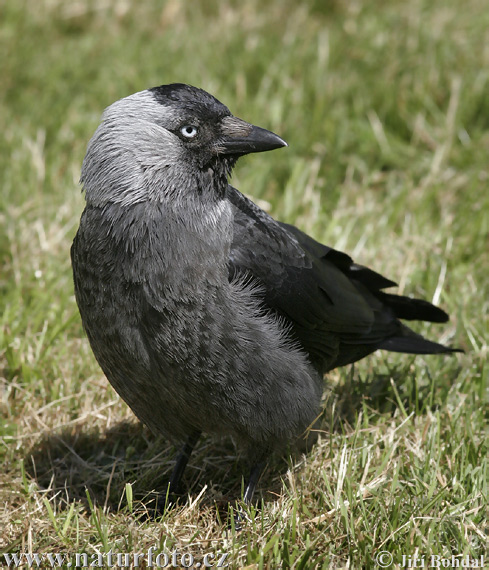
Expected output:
(385, 108)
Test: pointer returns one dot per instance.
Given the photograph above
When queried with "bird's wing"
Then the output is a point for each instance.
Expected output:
(329, 300)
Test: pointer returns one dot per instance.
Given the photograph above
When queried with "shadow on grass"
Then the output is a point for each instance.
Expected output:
(75, 460)
(70, 462)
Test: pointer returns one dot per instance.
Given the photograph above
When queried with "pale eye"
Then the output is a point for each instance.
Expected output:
(189, 131)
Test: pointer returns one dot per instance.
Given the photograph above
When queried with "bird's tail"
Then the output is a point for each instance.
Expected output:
(407, 340)
(410, 309)
(412, 343)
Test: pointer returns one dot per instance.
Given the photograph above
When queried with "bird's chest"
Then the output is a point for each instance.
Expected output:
(165, 281)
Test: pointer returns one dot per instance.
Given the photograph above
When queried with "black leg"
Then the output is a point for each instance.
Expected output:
(239, 515)
(255, 474)
(176, 475)
(182, 460)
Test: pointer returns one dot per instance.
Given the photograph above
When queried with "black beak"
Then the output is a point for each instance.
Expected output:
(240, 137)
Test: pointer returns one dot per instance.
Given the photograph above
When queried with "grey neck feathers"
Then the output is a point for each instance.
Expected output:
(155, 205)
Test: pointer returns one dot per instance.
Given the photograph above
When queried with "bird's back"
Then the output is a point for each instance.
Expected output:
(338, 310)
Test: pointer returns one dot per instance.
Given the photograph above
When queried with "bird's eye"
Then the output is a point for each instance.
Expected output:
(189, 131)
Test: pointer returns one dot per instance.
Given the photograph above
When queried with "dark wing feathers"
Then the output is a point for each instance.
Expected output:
(298, 284)
(337, 308)
(341, 260)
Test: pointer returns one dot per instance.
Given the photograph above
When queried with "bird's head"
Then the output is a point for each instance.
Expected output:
(165, 143)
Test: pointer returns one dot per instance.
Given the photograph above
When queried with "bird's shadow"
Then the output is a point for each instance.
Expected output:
(76, 460)
(73, 462)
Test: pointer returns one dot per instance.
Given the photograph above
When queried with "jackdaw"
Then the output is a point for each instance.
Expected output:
(206, 314)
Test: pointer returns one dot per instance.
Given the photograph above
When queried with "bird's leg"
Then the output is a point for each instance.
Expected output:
(239, 515)
(255, 474)
(180, 464)
(182, 460)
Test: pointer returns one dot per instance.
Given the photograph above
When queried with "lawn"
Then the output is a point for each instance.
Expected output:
(385, 108)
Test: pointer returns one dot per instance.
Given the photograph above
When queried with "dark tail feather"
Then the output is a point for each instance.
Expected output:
(413, 309)
(413, 343)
